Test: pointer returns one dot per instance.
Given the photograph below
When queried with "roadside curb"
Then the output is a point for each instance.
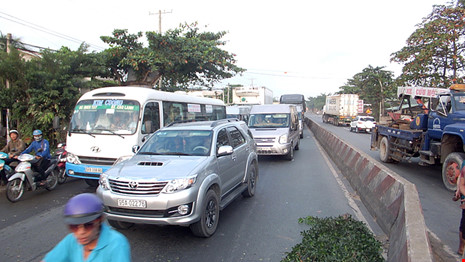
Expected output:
(391, 200)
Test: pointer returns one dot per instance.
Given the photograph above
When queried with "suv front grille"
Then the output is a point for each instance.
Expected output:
(136, 188)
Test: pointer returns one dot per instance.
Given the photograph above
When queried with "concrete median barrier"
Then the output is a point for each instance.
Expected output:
(390, 199)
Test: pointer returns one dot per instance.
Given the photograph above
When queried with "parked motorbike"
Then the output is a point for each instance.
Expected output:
(60, 154)
(26, 178)
(5, 170)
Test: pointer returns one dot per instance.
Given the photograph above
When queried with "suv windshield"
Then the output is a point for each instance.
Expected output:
(178, 142)
(269, 120)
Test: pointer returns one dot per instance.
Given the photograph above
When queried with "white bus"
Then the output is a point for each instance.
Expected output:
(108, 122)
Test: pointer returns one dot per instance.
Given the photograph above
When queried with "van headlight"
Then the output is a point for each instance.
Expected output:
(72, 158)
(283, 139)
(103, 181)
(179, 184)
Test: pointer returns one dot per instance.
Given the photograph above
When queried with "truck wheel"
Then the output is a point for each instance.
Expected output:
(384, 150)
(210, 213)
(451, 170)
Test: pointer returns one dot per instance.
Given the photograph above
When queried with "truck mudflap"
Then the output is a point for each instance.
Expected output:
(374, 138)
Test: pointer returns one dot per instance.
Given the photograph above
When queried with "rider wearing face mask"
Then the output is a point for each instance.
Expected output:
(41, 148)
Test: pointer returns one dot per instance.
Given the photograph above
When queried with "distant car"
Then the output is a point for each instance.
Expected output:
(362, 124)
(182, 175)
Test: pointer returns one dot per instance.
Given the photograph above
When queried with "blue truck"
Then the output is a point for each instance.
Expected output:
(435, 136)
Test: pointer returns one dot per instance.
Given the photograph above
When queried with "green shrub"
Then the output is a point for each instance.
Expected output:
(335, 239)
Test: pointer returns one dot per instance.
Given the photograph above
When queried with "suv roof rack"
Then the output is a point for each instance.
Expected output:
(180, 122)
(226, 120)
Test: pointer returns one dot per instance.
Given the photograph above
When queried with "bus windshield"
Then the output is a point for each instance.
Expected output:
(105, 116)
(269, 121)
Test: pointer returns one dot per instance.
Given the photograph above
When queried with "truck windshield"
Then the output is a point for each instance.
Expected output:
(105, 116)
(269, 120)
(459, 102)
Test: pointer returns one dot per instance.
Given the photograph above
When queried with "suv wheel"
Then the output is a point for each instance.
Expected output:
(208, 222)
(251, 182)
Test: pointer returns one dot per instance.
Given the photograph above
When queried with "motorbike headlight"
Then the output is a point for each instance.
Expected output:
(283, 139)
(103, 182)
(72, 158)
(179, 184)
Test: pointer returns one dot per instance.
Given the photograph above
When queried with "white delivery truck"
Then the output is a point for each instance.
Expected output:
(340, 109)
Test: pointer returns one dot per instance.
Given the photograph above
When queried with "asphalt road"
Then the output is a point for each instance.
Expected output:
(262, 228)
(442, 215)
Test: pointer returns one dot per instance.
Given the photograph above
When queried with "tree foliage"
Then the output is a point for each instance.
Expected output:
(45, 87)
(316, 103)
(373, 85)
(183, 56)
(49, 86)
(434, 55)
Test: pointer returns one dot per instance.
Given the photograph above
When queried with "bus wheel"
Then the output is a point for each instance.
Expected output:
(451, 170)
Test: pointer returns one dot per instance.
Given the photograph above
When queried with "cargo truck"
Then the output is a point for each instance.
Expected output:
(435, 136)
(340, 109)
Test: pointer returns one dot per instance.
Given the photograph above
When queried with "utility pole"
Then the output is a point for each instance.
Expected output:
(159, 31)
(7, 85)
(160, 12)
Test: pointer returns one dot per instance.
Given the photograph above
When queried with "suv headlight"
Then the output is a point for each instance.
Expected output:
(103, 182)
(179, 184)
(72, 158)
(283, 139)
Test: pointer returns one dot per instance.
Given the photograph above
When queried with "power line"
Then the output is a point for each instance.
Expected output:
(45, 30)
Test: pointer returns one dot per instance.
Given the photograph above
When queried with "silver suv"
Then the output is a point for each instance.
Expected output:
(184, 174)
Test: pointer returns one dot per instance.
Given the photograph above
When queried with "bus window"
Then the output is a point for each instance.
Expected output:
(151, 120)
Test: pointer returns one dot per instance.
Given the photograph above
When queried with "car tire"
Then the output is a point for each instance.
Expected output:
(252, 179)
(210, 213)
(297, 146)
(290, 155)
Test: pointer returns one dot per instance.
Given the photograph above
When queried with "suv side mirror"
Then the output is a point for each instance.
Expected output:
(135, 148)
(225, 150)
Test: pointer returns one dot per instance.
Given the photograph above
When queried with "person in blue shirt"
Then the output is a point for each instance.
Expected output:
(90, 239)
(41, 148)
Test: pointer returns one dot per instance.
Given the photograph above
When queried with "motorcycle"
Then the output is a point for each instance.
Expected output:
(4, 168)
(25, 178)
(60, 154)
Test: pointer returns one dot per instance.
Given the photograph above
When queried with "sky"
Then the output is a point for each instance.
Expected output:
(294, 46)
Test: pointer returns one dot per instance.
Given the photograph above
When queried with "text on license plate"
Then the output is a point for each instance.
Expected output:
(132, 203)
(94, 170)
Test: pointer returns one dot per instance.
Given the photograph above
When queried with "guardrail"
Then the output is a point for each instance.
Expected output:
(391, 200)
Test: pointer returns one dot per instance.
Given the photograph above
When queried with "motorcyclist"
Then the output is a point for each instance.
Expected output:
(41, 148)
(15, 146)
(91, 239)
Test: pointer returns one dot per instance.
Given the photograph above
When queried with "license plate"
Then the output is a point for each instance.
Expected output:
(132, 203)
(94, 170)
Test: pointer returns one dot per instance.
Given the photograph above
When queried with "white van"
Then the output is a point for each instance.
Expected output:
(275, 129)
